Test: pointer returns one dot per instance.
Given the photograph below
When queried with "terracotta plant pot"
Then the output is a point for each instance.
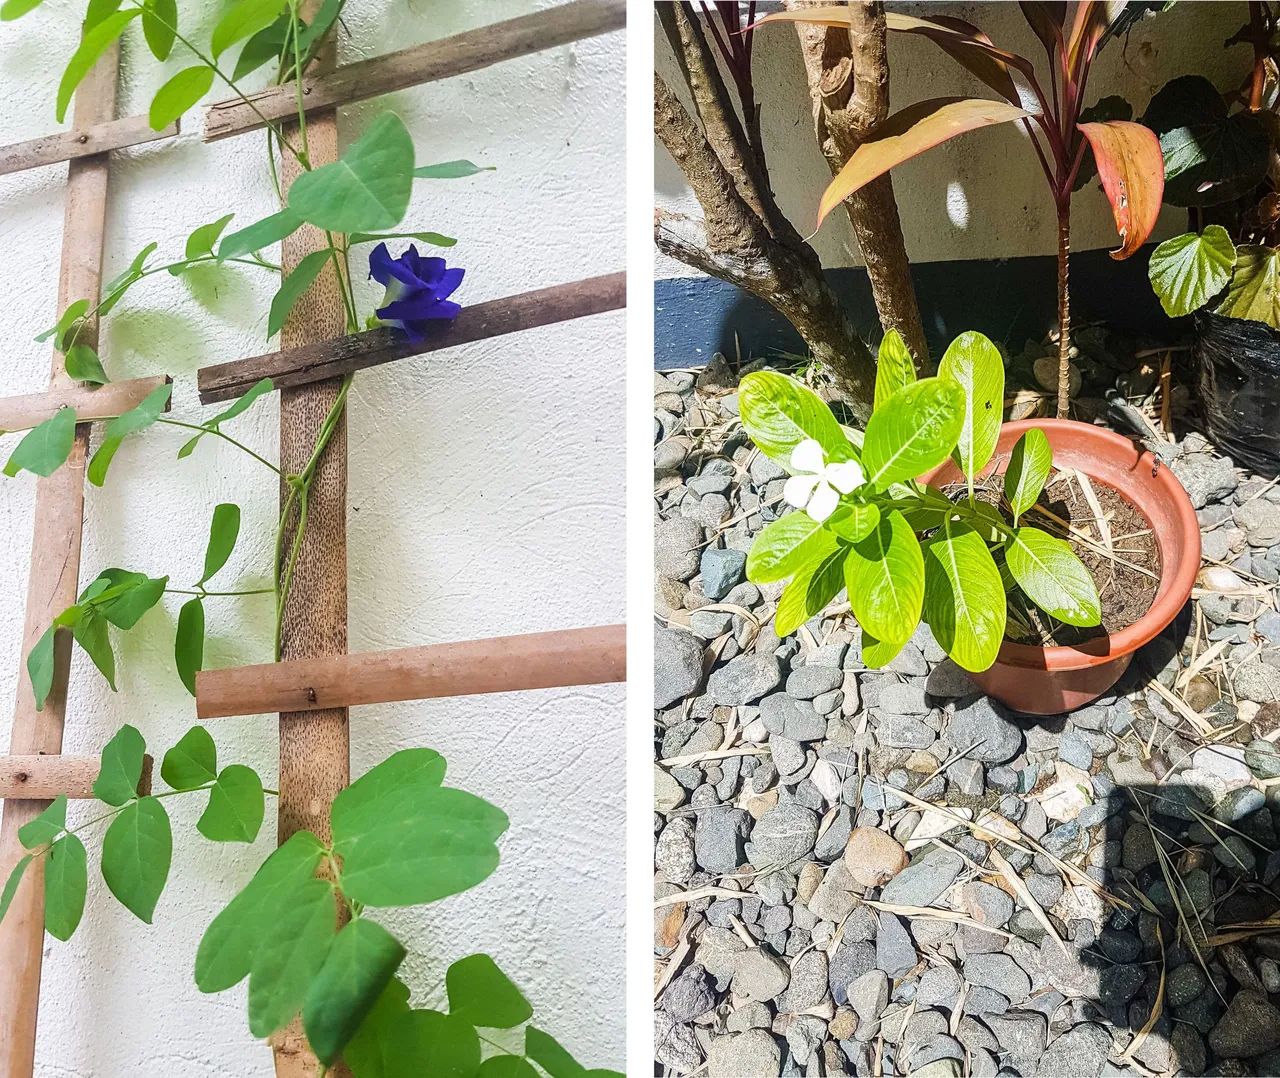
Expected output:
(1048, 681)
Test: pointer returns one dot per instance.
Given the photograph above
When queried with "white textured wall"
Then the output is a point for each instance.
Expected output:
(983, 194)
(485, 498)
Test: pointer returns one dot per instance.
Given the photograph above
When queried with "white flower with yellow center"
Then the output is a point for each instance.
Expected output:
(816, 485)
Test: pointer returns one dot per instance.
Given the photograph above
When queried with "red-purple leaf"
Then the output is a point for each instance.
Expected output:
(1045, 19)
(1131, 168)
(968, 46)
(912, 131)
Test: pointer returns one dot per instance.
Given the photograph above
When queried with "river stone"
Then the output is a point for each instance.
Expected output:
(1263, 759)
(753, 1054)
(904, 732)
(923, 881)
(667, 793)
(808, 987)
(784, 714)
(689, 995)
(1021, 1034)
(895, 953)
(677, 665)
(873, 857)
(939, 987)
(1205, 478)
(782, 836)
(718, 839)
(759, 975)
(852, 961)
(1081, 1052)
(721, 570)
(674, 1043)
(868, 995)
(1000, 973)
(744, 679)
(808, 681)
(1249, 1027)
(985, 725)
(673, 853)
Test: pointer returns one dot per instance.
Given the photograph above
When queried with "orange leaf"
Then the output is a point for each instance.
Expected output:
(1091, 22)
(824, 15)
(912, 131)
(1131, 168)
(968, 46)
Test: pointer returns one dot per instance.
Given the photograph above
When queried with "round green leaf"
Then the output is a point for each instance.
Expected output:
(202, 239)
(136, 852)
(121, 767)
(236, 806)
(66, 879)
(360, 964)
(481, 994)
(885, 578)
(964, 598)
(779, 413)
(974, 362)
(1254, 291)
(550, 1055)
(367, 189)
(1029, 466)
(854, 521)
(895, 369)
(192, 762)
(1189, 270)
(1048, 571)
(915, 430)
(288, 958)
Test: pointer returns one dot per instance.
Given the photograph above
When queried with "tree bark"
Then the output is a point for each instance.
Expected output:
(1064, 308)
(848, 73)
(744, 238)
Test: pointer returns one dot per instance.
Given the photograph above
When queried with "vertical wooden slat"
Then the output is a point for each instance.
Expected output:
(55, 567)
(315, 756)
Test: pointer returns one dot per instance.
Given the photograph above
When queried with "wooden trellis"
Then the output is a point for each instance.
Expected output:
(318, 681)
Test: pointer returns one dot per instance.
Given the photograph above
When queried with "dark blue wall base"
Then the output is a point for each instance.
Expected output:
(1010, 300)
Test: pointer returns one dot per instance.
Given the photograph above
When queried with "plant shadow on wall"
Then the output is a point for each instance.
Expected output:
(301, 930)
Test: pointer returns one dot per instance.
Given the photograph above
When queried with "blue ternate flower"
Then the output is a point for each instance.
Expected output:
(417, 290)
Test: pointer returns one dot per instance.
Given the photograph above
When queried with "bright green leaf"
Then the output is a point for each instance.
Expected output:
(201, 241)
(160, 27)
(179, 94)
(121, 767)
(270, 230)
(11, 884)
(45, 827)
(973, 361)
(45, 448)
(138, 594)
(371, 1053)
(224, 530)
(1052, 577)
(226, 950)
(90, 632)
(97, 11)
(451, 170)
(964, 600)
(74, 311)
(240, 405)
(243, 20)
(481, 994)
(94, 43)
(914, 431)
(188, 643)
(136, 852)
(505, 1067)
(312, 34)
(406, 840)
(1189, 270)
(1029, 466)
(785, 545)
(289, 957)
(854, 521)
(895, 369)
(265, 46)
(192, 762)
(811, 589)
(83, 365)
(133, 421)
(360, 963)
(40, 667)
(885, 578)
(66, 880)
(433, 238)
(1254, 290)
(293, 286)
(367, 189)
(236, 806)
(779, 413)
(15, 9)
(878, 653)
(429, 1042)
(548, 1053)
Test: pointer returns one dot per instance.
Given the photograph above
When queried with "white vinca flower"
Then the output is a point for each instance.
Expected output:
(817, 485)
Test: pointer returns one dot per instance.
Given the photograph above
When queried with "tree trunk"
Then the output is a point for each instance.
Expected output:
(1064, 309)
(848, 73)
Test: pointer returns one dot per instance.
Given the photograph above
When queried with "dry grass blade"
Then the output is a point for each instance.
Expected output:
(1243, 930)
(1088, 541)
(714, 754)
(1157, 1008)
(1172, 888)
(742, 933)
(1182, 707)
(1015, 881)
(1201, 661)
(710, 891)
(1095, 507)
(934, 914)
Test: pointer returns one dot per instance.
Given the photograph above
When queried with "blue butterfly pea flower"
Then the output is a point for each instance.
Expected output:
(417, 290)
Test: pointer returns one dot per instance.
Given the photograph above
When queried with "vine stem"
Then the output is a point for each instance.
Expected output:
(218, 594)
(224, 437)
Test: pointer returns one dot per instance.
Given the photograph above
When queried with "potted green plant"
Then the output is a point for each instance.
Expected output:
(938, 513)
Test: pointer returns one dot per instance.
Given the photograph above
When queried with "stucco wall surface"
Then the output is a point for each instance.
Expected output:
(485, 499)
(983, 194)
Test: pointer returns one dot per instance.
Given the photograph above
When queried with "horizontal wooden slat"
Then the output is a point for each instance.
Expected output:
(457, 55)
(501, 664)
(39, 778)
(66, 145)
(316, 362)
(102, 402)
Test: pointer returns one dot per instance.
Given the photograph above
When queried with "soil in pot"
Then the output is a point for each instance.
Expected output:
(1127, 579)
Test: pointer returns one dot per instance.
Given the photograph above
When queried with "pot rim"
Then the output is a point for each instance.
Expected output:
(1176, 579)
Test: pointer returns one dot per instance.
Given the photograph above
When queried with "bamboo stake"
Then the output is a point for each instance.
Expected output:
(81, 141)
(501, 664)
(105, 402)
(44, 777)
(52, 586)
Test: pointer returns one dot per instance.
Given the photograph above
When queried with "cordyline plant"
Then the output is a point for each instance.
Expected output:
(300, 930)
(1126, 155)
(904, 550)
